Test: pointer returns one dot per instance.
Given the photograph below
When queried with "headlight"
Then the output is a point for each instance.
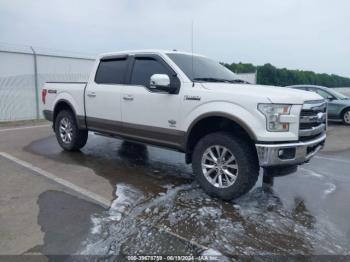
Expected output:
(272, 112)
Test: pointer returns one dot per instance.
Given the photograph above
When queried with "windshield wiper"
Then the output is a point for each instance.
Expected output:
(210, 79)
(213, 79)
(239, 81)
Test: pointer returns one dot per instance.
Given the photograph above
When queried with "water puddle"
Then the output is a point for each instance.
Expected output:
(158, 209)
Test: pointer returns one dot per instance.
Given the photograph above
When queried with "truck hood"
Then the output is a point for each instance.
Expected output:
(274, 94)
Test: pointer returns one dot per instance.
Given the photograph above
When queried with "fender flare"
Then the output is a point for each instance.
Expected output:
(237, 120)
(79, 120)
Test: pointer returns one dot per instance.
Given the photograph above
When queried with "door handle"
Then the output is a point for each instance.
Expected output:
(128, 98)
(91, 94)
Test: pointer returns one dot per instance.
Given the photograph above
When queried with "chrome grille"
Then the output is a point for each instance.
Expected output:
(313, 119)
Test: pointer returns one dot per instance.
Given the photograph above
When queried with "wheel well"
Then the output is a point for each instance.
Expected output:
(344, 110)
(210, 125)
(62, 105)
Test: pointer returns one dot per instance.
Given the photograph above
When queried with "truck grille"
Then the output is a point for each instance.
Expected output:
(313, 119)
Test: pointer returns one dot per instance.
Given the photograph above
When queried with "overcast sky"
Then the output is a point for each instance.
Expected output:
(297, 34)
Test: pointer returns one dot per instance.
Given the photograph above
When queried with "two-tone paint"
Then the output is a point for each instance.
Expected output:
(167, 119)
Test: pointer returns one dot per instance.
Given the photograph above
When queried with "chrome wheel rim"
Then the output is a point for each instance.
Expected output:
(219, 166)
(347, 117)
(66, 130)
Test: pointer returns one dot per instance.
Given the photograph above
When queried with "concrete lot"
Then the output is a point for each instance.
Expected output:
(115, 197)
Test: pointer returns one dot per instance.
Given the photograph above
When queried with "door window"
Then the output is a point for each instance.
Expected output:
(144, 68)
(111, 71)
(322, 93)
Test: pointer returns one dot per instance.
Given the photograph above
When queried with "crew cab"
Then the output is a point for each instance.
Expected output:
(226, 128)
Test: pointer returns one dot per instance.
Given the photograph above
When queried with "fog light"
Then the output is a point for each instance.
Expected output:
(286, 153)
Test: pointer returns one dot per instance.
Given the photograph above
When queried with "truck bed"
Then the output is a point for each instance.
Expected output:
(69, 91)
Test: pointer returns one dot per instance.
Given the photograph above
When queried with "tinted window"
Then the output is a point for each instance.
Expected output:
(322, 93)
(144, 68)
(198, 67)
(111, 71)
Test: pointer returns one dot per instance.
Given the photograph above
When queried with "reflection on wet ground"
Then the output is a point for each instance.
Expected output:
(62, 219)
(121, 161)
(155, 195)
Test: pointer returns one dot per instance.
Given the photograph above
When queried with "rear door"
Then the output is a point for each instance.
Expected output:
(103, 94)
(150, 114)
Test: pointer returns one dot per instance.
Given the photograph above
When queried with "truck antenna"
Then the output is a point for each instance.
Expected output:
(192, 51)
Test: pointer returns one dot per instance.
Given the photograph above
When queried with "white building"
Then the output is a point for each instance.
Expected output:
(248, 77)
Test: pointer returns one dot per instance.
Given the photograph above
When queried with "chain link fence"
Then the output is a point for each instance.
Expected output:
(23, 72)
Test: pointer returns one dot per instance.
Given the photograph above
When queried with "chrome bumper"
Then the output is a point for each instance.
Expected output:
(289, 153)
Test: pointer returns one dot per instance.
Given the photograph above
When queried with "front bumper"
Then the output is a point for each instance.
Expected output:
(289, 153)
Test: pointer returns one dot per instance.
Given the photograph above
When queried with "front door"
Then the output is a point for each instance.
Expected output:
(148, 114)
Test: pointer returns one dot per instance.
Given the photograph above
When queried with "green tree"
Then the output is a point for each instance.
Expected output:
(269, 75)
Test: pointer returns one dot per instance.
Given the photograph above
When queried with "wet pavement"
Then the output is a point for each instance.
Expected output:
(157, 208)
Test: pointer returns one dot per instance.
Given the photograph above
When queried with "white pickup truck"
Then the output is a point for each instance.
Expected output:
(227, 129)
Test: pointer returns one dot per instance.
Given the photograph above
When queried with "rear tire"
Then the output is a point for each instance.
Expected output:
(346, 117)
(237, 164)
(68, 135)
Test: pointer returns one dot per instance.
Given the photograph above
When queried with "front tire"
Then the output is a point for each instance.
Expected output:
(68, 135)
(346, 117)
(225, 165)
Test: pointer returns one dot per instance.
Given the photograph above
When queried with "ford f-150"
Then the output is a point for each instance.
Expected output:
(226, 128)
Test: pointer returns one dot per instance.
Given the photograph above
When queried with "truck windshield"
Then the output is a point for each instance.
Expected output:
(203, 69)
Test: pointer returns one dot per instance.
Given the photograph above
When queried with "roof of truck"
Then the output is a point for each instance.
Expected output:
(147, 51)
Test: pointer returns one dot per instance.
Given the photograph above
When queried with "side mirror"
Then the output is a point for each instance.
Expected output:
(161, 82)
(330, 98)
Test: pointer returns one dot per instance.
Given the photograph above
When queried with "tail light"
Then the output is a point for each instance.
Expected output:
(43, 95)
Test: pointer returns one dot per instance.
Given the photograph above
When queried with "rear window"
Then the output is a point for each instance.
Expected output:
(111, 71)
